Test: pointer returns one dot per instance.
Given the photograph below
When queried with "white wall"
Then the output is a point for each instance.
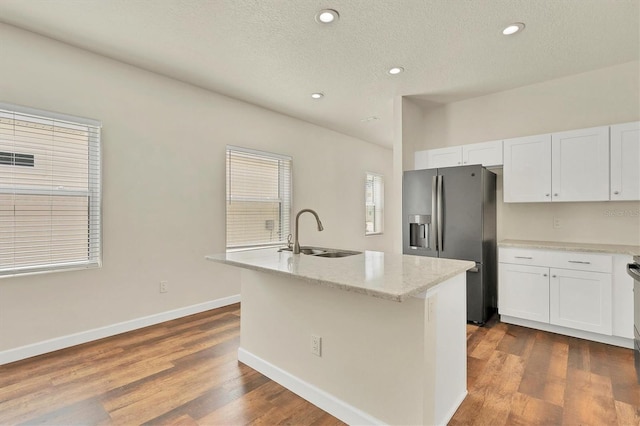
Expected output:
(164, 181)
(605, 96)
(408, 122)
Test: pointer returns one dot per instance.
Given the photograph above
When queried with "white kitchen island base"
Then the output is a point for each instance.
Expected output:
(382, 361)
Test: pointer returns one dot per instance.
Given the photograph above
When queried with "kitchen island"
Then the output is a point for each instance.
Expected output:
(392, 331)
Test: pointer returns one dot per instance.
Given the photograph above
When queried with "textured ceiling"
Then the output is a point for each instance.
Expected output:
(272, 52)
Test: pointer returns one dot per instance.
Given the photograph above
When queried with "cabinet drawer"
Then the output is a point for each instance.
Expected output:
(582, 261)
(524, 256)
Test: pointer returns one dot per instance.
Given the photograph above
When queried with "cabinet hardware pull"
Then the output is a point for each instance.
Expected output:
(553, 276)
(582, 262)
(616, 192)
(546, 195)
(544, 275)
(523, 257)
(555, 195)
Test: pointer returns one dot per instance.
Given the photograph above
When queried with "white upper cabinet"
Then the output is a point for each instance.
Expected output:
(420, 160)
(527, 169)
(580, 165)
(444, 157)
(564, 166)
(486, 153)
(625, 161)
(594, 164)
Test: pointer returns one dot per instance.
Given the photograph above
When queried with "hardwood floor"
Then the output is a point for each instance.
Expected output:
(185, 372)
(520, 376)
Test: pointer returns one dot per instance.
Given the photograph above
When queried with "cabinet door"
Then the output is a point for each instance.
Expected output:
(485, 153)
(625, 161)
(523, 291)
(580, 165)
(580, 300)
(527, 169)
(444, 157)
(420, 160)
(622, 300)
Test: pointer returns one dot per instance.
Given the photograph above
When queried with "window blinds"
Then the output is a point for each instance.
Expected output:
(49, 191)
(374, 204)
(258, 198)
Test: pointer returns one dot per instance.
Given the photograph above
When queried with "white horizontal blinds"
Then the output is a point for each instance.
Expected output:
(374, 203)
(49, 192)
(258, 198)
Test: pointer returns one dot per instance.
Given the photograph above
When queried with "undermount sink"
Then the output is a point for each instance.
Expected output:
(337, 253)
(312, 251)
(323, 252)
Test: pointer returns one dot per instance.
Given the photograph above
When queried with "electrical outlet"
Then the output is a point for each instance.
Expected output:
(316, 345)
(164, 286)
(557, 223)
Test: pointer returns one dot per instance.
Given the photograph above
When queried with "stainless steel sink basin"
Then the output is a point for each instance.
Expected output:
(306, 250)
(313, 251)
(337, 254)
(323, 252)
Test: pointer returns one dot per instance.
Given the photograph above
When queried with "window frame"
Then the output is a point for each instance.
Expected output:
(373, 177)
(286, 206)
(93, 193)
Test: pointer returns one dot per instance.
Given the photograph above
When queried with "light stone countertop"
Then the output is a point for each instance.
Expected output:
(581, 247)
(388, 276)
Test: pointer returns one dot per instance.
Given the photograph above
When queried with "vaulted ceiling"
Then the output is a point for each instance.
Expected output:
(274, 53)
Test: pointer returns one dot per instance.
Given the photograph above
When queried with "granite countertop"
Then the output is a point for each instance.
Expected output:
(582, 247)
(388, 276)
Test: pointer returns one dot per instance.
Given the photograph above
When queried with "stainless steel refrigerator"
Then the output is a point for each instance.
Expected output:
(451, 213)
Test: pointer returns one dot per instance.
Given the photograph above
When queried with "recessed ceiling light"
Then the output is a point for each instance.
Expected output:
(395, 70)
(317, 95)
(513, 28)
(327, 16)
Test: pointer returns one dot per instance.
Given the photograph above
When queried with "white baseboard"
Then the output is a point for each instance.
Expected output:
(587, 335)
(447, 418)
(327, 402)
(28, 351)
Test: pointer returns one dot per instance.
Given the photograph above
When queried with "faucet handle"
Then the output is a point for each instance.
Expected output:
(289, 242)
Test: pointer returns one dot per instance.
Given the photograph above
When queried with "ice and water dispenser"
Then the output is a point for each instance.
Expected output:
(419, 230)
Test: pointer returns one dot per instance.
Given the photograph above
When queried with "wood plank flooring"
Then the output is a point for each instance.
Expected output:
(520, 376)
(185, 372)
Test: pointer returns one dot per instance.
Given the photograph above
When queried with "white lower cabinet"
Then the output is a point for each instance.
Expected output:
(524, 291)
(561, 290)
(580, 300)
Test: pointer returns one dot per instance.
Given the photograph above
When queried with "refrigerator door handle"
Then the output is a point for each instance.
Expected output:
(440, 217)
(633, 269)
(434, 212)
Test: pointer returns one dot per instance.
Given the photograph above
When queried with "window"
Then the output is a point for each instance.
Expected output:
(258, 198)
(374, 204)
(49, 191)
